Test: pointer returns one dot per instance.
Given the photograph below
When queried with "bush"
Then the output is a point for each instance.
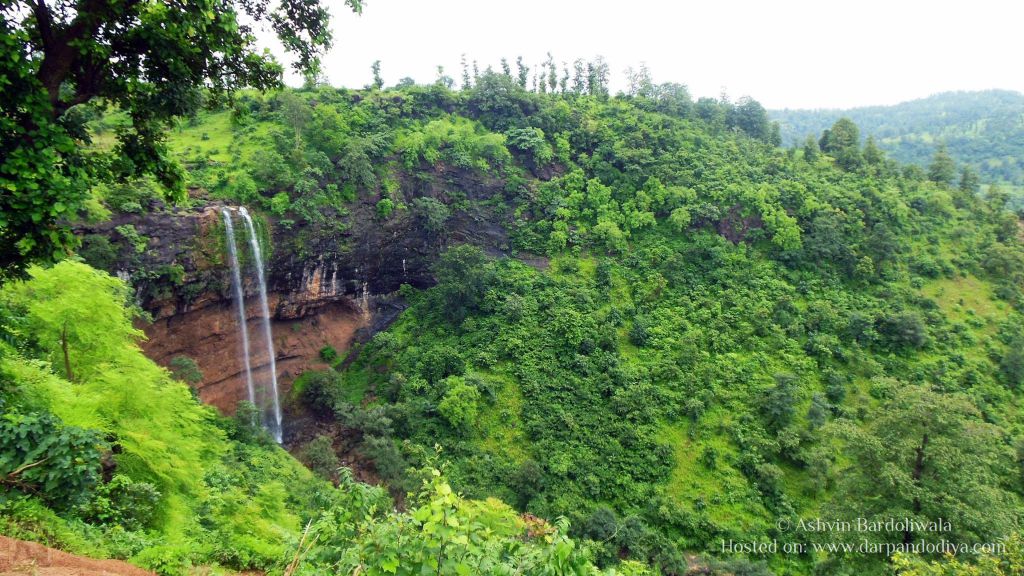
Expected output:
(431, 214)
(136, 240)
(166, 560)
(320, 391)
(130, 197)
(38, 454)
(440, 362)
(319, 456)
(328, 354)
(385, 207)
(1011, 367)
(388, 461)
(460, 403)
(185, 369)
(247, 425)
(532, 142)
(905, 330)
(280, 203)
(121, 501)
(98, 252)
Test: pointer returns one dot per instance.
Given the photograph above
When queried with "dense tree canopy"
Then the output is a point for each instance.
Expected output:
(155, 61)
(672, 333)
(980, 129)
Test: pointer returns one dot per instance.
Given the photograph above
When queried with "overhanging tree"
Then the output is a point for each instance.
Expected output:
(154, 60)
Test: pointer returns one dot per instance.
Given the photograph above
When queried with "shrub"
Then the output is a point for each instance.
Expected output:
(166, 560)
(431, 214)
(328, 354)
(320, 390)
(136, 240)
(319, 457)
(124, 502)
(40, 454)
(905, 330)
(385, 207)
(388, 461)
(98, 252)
(247, 426)
(280, 203)
(460, 403)
(185, 369)
(440, 362)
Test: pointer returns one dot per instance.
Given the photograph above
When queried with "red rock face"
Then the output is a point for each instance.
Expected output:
(209, 334)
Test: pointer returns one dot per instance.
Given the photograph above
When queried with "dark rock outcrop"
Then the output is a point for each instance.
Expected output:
(329, 283)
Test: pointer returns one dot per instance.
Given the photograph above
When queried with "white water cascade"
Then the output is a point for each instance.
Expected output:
(273, 420)
(236, 286)
(268, 335)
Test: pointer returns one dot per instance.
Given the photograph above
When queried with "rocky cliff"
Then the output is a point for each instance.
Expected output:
(331, 283)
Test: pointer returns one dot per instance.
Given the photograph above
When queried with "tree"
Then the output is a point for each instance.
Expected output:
(464, 274)
(811, 150)
(459, 406)
(640, 82)
(872, 153)
(155, 61)
(969, 181)
(942, 170)
(378, 81)
(522, 72)
(466, 83)
(77, 314)
(779, 402)
(1011, 367)
(927, 456)
(552, 73)
(751, 117)
(597, 77)
(842, 142)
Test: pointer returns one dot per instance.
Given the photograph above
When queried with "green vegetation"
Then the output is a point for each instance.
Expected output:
(103, 454)
(981, 130)
(726, 336)
(61, 66)
(716, 336)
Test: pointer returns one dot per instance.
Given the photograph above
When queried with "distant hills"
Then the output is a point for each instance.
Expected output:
(983, 129)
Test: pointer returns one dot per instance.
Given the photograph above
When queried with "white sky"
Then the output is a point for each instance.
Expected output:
(786, 53)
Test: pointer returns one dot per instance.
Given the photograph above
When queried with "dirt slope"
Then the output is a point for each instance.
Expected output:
(28, 558)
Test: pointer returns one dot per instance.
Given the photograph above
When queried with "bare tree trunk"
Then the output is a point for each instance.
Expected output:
(908, 535)
(67, 357)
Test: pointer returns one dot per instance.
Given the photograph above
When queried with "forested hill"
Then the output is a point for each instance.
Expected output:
(983, 129)
(644, 321)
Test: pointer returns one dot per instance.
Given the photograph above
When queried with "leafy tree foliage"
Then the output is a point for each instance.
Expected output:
(928, 456)
(153, 61)
(39, 454)
(842, 141)
(942, 170)
(980, 129)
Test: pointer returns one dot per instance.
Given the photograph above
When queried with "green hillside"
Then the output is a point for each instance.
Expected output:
(684, 338)
(984, 130)
(713, 334)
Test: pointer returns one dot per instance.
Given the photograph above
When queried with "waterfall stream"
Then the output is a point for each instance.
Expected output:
(274, 422)
(236, 286)
(257, 257)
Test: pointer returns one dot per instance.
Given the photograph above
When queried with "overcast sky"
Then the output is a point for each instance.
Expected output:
(787, 53)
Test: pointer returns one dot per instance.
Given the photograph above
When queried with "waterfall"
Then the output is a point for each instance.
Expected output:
(257, 256)
(236, 286)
